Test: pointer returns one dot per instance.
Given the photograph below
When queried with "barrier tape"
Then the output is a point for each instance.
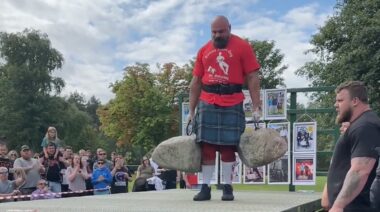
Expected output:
(57, 194)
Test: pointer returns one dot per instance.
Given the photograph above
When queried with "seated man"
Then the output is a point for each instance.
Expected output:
(10, 187)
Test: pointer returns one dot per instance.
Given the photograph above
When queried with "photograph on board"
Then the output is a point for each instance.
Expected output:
(275, 104)
(304, 137)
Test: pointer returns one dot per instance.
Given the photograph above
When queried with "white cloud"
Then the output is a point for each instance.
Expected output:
(99, 37)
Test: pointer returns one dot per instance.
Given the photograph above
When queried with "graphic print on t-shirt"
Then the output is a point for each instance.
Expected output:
(219, 67)
(222, 64)
(120, 179)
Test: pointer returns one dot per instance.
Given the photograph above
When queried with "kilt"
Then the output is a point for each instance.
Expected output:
(219, 125)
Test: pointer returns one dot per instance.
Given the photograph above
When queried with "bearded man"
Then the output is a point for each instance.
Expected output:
(223, 64)
(354, 162)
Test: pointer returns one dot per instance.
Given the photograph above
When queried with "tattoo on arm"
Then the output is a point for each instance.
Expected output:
(351, 183)
(355, 179)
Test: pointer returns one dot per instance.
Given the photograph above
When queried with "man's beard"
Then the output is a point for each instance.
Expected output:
(220, 43)
(344, 117)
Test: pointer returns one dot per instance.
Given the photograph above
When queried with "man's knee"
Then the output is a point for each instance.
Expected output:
(228, 153)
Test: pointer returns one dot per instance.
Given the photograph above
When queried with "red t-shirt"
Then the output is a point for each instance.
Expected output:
(225, 66)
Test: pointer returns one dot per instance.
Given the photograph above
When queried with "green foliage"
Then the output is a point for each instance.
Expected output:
(145, 109)
(25, 84)
(270, 60)
(28, 96)
(348, 48)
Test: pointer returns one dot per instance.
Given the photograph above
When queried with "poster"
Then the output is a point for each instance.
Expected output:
(247, 105)
(279, 171)
(275, 104)
(251, 126)
(284, 129)
(304, 170)
(254, 175)
(304, 137)
(185, 111)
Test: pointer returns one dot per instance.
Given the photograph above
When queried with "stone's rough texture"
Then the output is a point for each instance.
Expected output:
(261, 147)
(256, 148)
(178, 153)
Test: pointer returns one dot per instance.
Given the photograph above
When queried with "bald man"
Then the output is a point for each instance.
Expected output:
(222, 66)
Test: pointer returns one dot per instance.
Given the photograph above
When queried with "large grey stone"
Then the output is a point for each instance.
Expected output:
(178, 153)
(256, 148)
(261, 147)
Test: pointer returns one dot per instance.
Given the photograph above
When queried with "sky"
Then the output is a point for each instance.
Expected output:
(98, 38)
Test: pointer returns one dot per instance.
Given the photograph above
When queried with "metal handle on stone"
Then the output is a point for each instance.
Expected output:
(189, 129)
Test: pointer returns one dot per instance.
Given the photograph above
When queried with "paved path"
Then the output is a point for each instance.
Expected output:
(166, 201)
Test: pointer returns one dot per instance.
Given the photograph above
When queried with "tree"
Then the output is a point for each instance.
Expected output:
(348, 48)
(26, 83)
(270, 60)
(139, 112)
(78, 100)
(144, 111)
(91, 107)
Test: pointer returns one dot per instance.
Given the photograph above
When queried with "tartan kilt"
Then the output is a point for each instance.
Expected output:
(219, 125)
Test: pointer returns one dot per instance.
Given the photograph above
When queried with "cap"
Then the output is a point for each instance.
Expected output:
(24, 147)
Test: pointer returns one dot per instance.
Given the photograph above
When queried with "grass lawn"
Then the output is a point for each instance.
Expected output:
(321, 180)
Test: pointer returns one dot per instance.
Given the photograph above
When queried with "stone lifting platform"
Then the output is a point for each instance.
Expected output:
(172, 200)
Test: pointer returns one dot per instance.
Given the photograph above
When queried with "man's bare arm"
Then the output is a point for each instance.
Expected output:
(354, 181)
(325, 199)
(253, 83)
(195, 91)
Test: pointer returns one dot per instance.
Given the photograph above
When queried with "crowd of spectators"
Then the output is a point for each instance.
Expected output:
(57, 171)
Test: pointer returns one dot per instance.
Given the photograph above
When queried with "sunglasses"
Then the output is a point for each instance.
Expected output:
(100, 163)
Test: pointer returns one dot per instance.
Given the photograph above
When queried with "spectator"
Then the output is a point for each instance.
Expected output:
(120, 176)
(76, 174)
(4, 160)
(102, 155)
(82, 152)
(53, 167)
(144, 172)
(31, 167)
(51, 136)
(13, 155)
(42, 191)
(101, 178)
(10, 187)
(88, 162)
(67, 156)
(113, 157)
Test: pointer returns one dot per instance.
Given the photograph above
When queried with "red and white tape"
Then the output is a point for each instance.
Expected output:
(57, 194)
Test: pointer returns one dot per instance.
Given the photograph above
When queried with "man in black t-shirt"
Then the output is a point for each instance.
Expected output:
(354, 162)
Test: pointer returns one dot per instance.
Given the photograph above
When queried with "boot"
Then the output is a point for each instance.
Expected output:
(204, 194)
(227, 193)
